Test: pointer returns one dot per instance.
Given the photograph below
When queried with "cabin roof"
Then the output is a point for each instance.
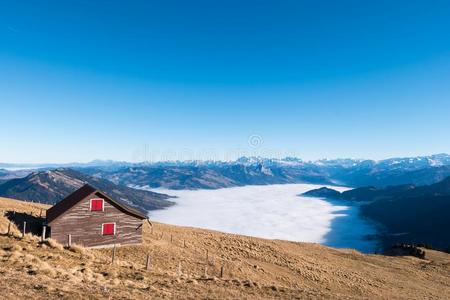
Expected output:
(62, 206)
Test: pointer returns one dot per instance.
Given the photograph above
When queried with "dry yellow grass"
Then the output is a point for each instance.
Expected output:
(54, 244)
(186, 263)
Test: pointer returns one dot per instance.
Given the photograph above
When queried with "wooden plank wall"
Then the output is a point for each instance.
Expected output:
(85, 226)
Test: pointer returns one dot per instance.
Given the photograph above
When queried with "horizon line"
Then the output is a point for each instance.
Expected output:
(25, 164)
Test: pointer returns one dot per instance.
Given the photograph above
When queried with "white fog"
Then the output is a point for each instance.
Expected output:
(271, 211)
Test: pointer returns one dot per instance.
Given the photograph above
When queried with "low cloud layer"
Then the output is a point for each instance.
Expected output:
(270, 211)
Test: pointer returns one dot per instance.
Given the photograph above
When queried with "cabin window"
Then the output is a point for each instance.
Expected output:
(108, 228)
(97, 204)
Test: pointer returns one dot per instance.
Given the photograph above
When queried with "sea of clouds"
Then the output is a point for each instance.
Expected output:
(271, 211)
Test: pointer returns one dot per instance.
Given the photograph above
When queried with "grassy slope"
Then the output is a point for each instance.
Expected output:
(254, 268)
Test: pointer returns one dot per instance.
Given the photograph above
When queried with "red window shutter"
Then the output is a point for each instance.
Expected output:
(96, 204)
(109, 228)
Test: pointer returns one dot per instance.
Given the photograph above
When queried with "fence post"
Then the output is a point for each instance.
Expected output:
(69, 240)
(43, 233)
(24, 228)
(114, 254)
(221, 272)
(179, 271)
(148, 262)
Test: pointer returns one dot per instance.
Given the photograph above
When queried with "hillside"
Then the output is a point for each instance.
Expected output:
(407, 213)
(253, 268)
(54, 185)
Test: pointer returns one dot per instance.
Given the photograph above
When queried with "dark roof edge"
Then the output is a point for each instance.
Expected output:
(68, 202)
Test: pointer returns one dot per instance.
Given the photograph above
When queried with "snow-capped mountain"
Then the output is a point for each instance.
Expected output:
(258, 170)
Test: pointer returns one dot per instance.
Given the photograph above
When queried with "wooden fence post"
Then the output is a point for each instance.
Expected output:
(9, 228)
(44, 228)
(69, 240)
(24, 228)
(148, 263)
(114, 254)
(221, 272)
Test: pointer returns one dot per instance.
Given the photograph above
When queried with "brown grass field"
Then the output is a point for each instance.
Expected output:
(186, 264)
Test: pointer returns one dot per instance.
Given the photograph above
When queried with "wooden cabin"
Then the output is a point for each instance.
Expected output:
(92, 219)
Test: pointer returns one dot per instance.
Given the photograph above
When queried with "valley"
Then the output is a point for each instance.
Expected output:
(274, 212)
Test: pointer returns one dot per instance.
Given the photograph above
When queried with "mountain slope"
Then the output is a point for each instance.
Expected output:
(408, 213)
(253, 268)
(52, 186)
(371, 193)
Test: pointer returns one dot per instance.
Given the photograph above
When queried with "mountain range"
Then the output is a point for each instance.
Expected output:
(208, 176)
(255, 170)
(6, 175)
(408, 197)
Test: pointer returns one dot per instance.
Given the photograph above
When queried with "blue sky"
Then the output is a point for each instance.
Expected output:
(140, 80)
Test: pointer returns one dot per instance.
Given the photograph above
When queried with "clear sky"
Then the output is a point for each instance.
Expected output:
(135, 80)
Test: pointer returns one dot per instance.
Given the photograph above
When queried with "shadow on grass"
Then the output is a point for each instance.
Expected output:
(33, 224)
